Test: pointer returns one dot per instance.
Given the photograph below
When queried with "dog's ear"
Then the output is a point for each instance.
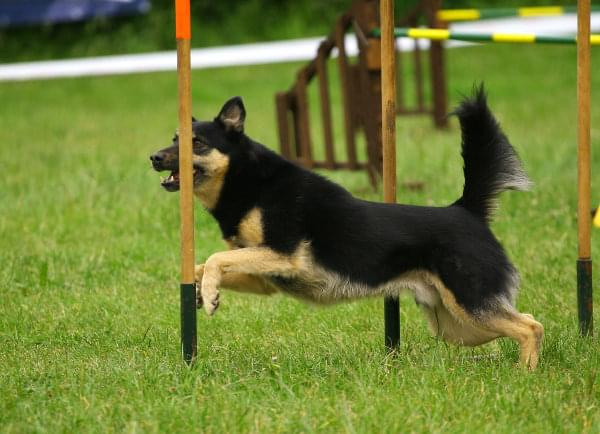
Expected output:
(194, 119)
(232, 115)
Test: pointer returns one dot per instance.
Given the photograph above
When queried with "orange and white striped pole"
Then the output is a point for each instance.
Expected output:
(186, 204)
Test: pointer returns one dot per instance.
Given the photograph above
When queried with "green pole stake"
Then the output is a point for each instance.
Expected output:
(188, 322)
(585, 305)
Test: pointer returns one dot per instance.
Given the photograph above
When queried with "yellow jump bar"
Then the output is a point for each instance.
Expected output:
(518, 38)
(540, 11)
(458, 14)
(478, 14)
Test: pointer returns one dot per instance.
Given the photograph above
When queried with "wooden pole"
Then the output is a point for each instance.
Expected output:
(325, 106)
(347, 91)
(187, 287)
(388, 138)
(438, 75)
(584, 261)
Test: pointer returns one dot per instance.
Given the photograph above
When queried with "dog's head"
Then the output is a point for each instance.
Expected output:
(214, 144)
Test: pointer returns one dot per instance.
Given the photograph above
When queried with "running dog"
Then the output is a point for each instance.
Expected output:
(293, 231)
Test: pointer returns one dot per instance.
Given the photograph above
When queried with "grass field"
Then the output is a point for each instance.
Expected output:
(89, 243)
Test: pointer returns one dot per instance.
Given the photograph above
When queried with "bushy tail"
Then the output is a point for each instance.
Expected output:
(491, 163)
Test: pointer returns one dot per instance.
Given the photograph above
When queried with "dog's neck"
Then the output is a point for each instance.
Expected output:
(228, 204)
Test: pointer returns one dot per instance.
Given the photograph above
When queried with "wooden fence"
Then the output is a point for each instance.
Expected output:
(360, 83)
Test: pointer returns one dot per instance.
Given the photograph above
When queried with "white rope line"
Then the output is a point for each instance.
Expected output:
(260, 53)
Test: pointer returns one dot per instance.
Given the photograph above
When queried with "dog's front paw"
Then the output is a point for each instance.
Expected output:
(209, 297)
(199, 274)
(199, 301)
(211, 302)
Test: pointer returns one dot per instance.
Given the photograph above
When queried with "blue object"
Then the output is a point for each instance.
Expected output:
(27, 12)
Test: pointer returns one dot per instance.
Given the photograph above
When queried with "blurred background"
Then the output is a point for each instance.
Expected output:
(54, 29)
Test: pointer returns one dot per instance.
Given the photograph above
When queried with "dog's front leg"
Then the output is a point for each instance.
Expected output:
(198, 274)
(249, 260)
(240, 282)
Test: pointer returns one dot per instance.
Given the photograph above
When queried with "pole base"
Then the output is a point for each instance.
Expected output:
(585, 305)
(391, 314)
(188, 322)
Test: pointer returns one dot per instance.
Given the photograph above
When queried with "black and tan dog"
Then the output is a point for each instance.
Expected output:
(293, 231)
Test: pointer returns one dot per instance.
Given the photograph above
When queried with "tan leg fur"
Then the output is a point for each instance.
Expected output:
(254, 261)
(237, 282)
(462, 327)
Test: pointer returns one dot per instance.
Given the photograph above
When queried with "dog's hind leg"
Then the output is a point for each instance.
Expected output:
(446, 326)
(502, 319)
(524, 329)
(447, 320)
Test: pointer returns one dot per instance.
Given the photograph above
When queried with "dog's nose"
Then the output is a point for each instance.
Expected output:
(157, 158)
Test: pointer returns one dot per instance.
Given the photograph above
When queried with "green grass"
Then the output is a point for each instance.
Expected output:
(89, 247)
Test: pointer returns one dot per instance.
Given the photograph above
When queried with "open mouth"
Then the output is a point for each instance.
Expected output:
(171, 182)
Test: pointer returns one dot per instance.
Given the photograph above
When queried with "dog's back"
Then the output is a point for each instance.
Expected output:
(370, 243)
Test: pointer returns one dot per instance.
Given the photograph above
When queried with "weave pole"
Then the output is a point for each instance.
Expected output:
(584, 261)
(186, 204)
(449, 15)
(388, 140)
(514, 38)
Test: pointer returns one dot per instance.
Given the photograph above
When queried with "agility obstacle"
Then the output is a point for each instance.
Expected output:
(388, 140)
(449, 15)
(186, 205)
(583, 40)
(385, 75)
(360, 84)
(584, 260)
(359, 94)
(518, 38)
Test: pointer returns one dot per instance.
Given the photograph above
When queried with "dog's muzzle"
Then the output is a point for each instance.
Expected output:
(160, 163)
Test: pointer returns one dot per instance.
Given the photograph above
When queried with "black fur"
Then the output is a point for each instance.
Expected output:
(491, 163)
(370, 242)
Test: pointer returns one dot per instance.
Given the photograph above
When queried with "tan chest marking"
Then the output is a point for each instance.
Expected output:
(250, 230)
(215, 165)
